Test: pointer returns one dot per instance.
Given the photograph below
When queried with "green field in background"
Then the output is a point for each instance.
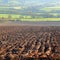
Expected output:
(25, 18)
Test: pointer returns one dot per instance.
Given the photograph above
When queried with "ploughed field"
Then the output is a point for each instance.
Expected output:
(29, 43)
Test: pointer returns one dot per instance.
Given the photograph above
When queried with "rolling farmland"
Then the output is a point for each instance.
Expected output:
(29, 30)
(46, 13)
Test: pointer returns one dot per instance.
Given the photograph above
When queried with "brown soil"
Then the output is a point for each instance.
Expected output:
(29, 43)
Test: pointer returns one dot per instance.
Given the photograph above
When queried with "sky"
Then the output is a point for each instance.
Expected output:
(26, 2)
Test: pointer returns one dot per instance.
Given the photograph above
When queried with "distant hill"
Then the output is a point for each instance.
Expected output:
(32, 8)
(27, 5)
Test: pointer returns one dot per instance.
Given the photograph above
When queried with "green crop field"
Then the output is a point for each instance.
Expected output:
(49, 9)
(26, 18)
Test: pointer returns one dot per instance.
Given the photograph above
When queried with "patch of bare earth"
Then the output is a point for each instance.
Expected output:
(29, 43)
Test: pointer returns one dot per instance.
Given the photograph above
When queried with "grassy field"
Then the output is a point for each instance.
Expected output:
(49, 9)
(42, 19)
(25, 18)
